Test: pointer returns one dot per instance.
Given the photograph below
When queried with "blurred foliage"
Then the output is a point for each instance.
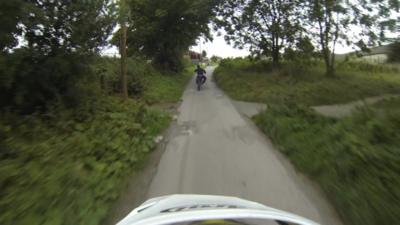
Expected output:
(368, 68)
(303, 54)
(29, 80)
(163, 30)
(145, 83)
(267, 27)
(394, 55)
(66, 144)
(166, 88)
(68, 166)
(11, 12)
(108, 73)
(248, 80)
(215, 59)
(264, 27)
(58, 45)
(354, 159)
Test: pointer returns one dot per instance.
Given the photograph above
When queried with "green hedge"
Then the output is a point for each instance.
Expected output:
(67, 167)
(144, 81)
(356, 160)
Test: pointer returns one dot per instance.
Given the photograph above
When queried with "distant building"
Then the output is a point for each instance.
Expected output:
(377, 54)
(195, 57)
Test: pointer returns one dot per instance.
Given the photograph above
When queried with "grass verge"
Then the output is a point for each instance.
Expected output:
(255, 81)
(67, 167)
(356, 160)
(144, 82)
(163, 88)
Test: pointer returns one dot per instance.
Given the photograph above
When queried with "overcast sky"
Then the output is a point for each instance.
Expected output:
(219, 47)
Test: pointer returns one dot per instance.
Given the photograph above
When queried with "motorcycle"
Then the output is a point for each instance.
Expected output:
(200, 80)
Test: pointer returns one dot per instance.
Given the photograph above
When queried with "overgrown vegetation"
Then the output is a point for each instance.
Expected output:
(166, 88)
(248, 80)
(163, 30)
(394, 55)
(354, 159)
(68, 166)
(68, 141)
(145, 83)
(52, 64)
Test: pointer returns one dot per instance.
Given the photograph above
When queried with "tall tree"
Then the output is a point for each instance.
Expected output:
(163, 30)
(65, 25)
(334, 21)
(203, 54)
(11, 12)
(59, 40)
(265, 26)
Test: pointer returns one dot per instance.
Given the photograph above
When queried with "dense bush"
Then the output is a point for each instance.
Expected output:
(163, 30)
(68, 166)
(366, 67)
(355, 160)
(394, 55)
(108, 71)
(246, 64)
(30, 81)
(144, 81)
(52, 62)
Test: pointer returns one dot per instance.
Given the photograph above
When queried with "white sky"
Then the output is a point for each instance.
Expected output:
(110, 51)
(220, 48)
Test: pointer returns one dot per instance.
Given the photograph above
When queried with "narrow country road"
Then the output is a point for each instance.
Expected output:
(214, 150)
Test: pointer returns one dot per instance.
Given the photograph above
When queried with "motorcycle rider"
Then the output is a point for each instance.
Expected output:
(201, 72)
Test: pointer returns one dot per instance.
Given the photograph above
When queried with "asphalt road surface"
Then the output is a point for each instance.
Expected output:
(215, 150)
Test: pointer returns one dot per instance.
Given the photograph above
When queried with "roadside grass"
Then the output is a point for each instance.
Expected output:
(145, 83)
(166, 88)
(69, 166)
(257, 82)
(356, 160)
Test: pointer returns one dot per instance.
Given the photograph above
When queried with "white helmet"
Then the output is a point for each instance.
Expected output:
(210, 210)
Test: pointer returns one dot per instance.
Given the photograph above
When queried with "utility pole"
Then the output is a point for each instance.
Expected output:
(123, 19)
(124, 88)
(201, 56)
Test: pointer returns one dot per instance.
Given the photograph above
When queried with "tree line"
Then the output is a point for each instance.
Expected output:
(273, 27)
(47, 46)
